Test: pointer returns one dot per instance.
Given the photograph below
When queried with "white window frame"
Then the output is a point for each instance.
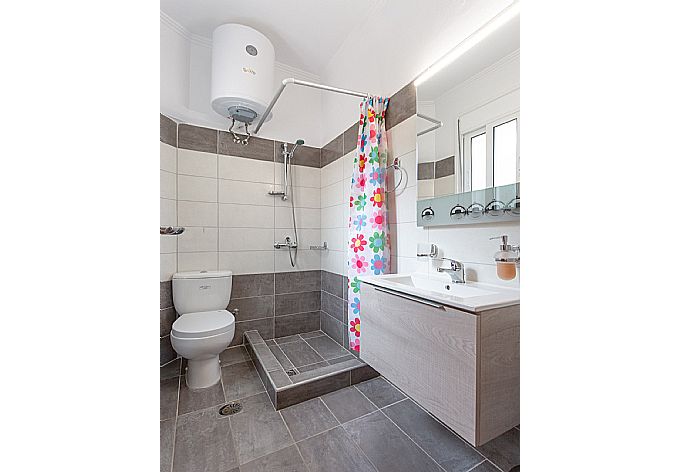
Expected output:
(464, 144)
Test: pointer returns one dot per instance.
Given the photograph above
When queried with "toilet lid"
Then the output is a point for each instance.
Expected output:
(202, 324)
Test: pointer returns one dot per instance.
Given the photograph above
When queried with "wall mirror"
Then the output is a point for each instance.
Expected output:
(468, 134)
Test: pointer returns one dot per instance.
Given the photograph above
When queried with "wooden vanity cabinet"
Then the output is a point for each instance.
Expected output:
(462, 367)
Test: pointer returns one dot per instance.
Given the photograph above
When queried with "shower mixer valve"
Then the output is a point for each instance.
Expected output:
(288, 243)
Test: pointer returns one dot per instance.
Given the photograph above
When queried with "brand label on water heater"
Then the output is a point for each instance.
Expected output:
(249, 70)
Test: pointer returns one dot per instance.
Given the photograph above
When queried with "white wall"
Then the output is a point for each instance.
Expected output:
(186, 90)
(390, 47)
(168, 209)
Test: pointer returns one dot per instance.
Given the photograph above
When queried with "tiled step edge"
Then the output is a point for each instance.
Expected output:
(285, 392)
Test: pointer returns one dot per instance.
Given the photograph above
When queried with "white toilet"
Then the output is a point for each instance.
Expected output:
(205, 328)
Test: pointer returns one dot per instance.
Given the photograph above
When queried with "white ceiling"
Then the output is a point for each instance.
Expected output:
(493, 48)
(305, 33)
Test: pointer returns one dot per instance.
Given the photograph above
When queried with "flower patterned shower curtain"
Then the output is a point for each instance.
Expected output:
(368, 250)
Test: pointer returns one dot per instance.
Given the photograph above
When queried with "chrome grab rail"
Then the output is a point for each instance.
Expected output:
(410, 297)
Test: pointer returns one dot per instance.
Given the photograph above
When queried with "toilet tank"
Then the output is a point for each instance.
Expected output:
(201, 291)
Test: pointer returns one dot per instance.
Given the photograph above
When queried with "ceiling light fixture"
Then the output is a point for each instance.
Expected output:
(468, 43)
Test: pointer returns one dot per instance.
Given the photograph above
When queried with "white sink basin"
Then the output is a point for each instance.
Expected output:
(470, 296)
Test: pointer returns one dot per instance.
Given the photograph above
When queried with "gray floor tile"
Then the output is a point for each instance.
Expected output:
(203, 442)
(338, 360)
(167, 438)
(347, 404)
(288, 339)
(285, 460)
(279, 378)
(333, 451)
(307, 368)
(171, 369)
(388, 447)
(281, 357)
(241, 380)
(193, 400)
(307, 390)
(168, 405)
(258, 429)
(234, 355)
(504, 451)
(308, 419)
(380, 391)
(486, 466)
(312, 334)
(451, 452)
(300, 353)
(326, 347)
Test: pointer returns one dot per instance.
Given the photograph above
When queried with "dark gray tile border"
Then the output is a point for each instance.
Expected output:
(280, 357)
(258, 148)
(401, 106)
(234, 355)
(332, 151)
(168, 131)
(304, 155)
(444, 167)
(166, 350)
(312, 334)
(197, 138)
(298, 323)
(425, 171)
(168, 397)
(338, 360)
(326, 347)
(311, 367)
(350, 138)
(290, 303)
(253, 308)
(279, 379)
(308, 390)
(362, 374)
(332, 283)
(252, 285)
(166, 294)
(332, 327)
(266, 358)
(166, 443)
(287, 339)
(171, 369)
(303, 281)
(167, 318)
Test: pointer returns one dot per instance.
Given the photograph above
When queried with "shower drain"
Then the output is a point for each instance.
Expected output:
(230, 409)
(291, 372)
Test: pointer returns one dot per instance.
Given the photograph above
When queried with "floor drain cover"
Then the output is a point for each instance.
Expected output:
(231, 409)
(291, 372)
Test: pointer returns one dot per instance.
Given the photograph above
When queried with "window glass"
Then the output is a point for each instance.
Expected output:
(505, 154)
(478, 156)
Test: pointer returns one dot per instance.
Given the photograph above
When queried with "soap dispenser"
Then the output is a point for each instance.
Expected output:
(507, 259)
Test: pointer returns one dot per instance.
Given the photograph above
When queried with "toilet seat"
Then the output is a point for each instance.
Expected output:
(203, 324)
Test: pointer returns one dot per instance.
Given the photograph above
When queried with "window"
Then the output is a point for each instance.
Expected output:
(491, 154)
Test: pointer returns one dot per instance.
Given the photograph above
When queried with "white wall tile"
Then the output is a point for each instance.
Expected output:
(334, 237)
(168, 157)
(201, 164)
(470, 243)
(407, 265)
(444, 186)
(168, 244)
(487, 273)
(168, 266)
(306, 217)
(333, 261)
(332, 194)
(245, 239)
(332, 173)
(247, 262)
(197, 214)
(347, 189)
(190, 261)
(304, 197)
(198, 239)
(233, 215)
(302, 176)
(306, 260)
(404, 239)
(402, 138)
(425, 189)
(168, 187)
(332, 217)
(168, 215)
(244, 169)
(251, 193)
(197, 189)
(402, 206)
(349, 164)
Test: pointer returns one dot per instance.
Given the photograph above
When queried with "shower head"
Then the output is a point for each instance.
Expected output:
(299, 142)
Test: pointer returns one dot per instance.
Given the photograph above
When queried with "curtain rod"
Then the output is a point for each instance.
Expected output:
(306, 84)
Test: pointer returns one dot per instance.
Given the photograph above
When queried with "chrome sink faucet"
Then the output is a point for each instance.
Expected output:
(456, 271)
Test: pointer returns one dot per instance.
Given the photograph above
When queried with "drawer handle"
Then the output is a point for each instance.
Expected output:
(410, 297)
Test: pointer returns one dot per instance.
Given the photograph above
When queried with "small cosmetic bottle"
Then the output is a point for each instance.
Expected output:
(507, 259)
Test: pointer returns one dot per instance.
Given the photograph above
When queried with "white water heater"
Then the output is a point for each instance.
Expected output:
(242, 64)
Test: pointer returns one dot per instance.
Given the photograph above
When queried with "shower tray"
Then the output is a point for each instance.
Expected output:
(303, 366)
